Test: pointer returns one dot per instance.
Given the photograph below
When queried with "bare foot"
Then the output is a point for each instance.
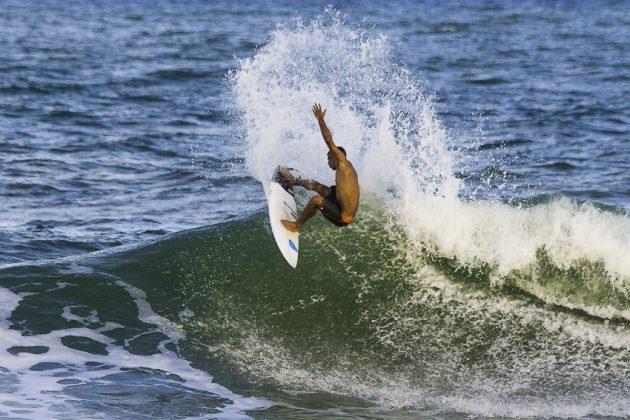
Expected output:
(290, 226)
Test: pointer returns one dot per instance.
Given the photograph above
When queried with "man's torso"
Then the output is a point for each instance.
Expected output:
(347, 183)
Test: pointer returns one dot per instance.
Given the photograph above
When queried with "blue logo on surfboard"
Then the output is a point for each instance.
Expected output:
(292, 245)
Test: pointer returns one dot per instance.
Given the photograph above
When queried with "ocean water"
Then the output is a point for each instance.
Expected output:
(487, 273)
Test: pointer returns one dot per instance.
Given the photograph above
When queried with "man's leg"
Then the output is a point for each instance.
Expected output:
(309, 211)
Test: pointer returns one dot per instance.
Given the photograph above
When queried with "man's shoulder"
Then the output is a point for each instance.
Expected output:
(346, 165)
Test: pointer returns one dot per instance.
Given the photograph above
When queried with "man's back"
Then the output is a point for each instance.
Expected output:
(348, 192)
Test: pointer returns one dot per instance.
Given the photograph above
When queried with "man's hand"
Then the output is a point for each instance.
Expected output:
(288, 175)
(319, 113)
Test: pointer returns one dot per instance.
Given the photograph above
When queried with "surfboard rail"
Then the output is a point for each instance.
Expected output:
(281, 204)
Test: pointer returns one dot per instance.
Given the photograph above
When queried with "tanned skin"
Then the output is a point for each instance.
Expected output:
(346, 180)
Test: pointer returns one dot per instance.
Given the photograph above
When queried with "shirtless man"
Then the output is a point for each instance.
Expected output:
(339, 203)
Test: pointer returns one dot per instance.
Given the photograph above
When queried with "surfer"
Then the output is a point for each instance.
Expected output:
(338, 203)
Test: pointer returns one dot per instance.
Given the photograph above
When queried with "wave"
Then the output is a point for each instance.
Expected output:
(178, 74)
(404, 158)
(366, 310)
(559, 166)
(489, 81)
(434, 289)
(82, 332)
(503, 144)
(368, 314)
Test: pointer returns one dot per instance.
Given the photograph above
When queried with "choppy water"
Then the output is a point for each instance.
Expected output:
(487, 273)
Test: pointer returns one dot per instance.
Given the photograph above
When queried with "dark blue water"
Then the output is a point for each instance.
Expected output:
(487, 275)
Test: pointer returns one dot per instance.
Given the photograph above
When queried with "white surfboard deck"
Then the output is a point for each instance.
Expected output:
(282, 206)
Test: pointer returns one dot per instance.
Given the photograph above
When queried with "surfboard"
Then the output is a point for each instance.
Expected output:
(281, 204)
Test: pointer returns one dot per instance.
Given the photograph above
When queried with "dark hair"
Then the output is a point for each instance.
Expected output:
(342, 150)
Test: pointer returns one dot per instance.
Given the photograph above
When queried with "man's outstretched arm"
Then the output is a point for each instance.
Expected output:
(320, 114)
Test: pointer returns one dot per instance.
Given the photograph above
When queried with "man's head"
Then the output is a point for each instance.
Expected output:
(332, 162)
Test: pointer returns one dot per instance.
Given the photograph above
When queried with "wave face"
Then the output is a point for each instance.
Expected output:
(371, 318)
(367, 323)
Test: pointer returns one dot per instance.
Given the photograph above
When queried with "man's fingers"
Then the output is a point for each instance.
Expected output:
(318, 108)
(318, 111)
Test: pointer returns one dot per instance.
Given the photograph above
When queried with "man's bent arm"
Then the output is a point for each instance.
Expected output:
(312, 185)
